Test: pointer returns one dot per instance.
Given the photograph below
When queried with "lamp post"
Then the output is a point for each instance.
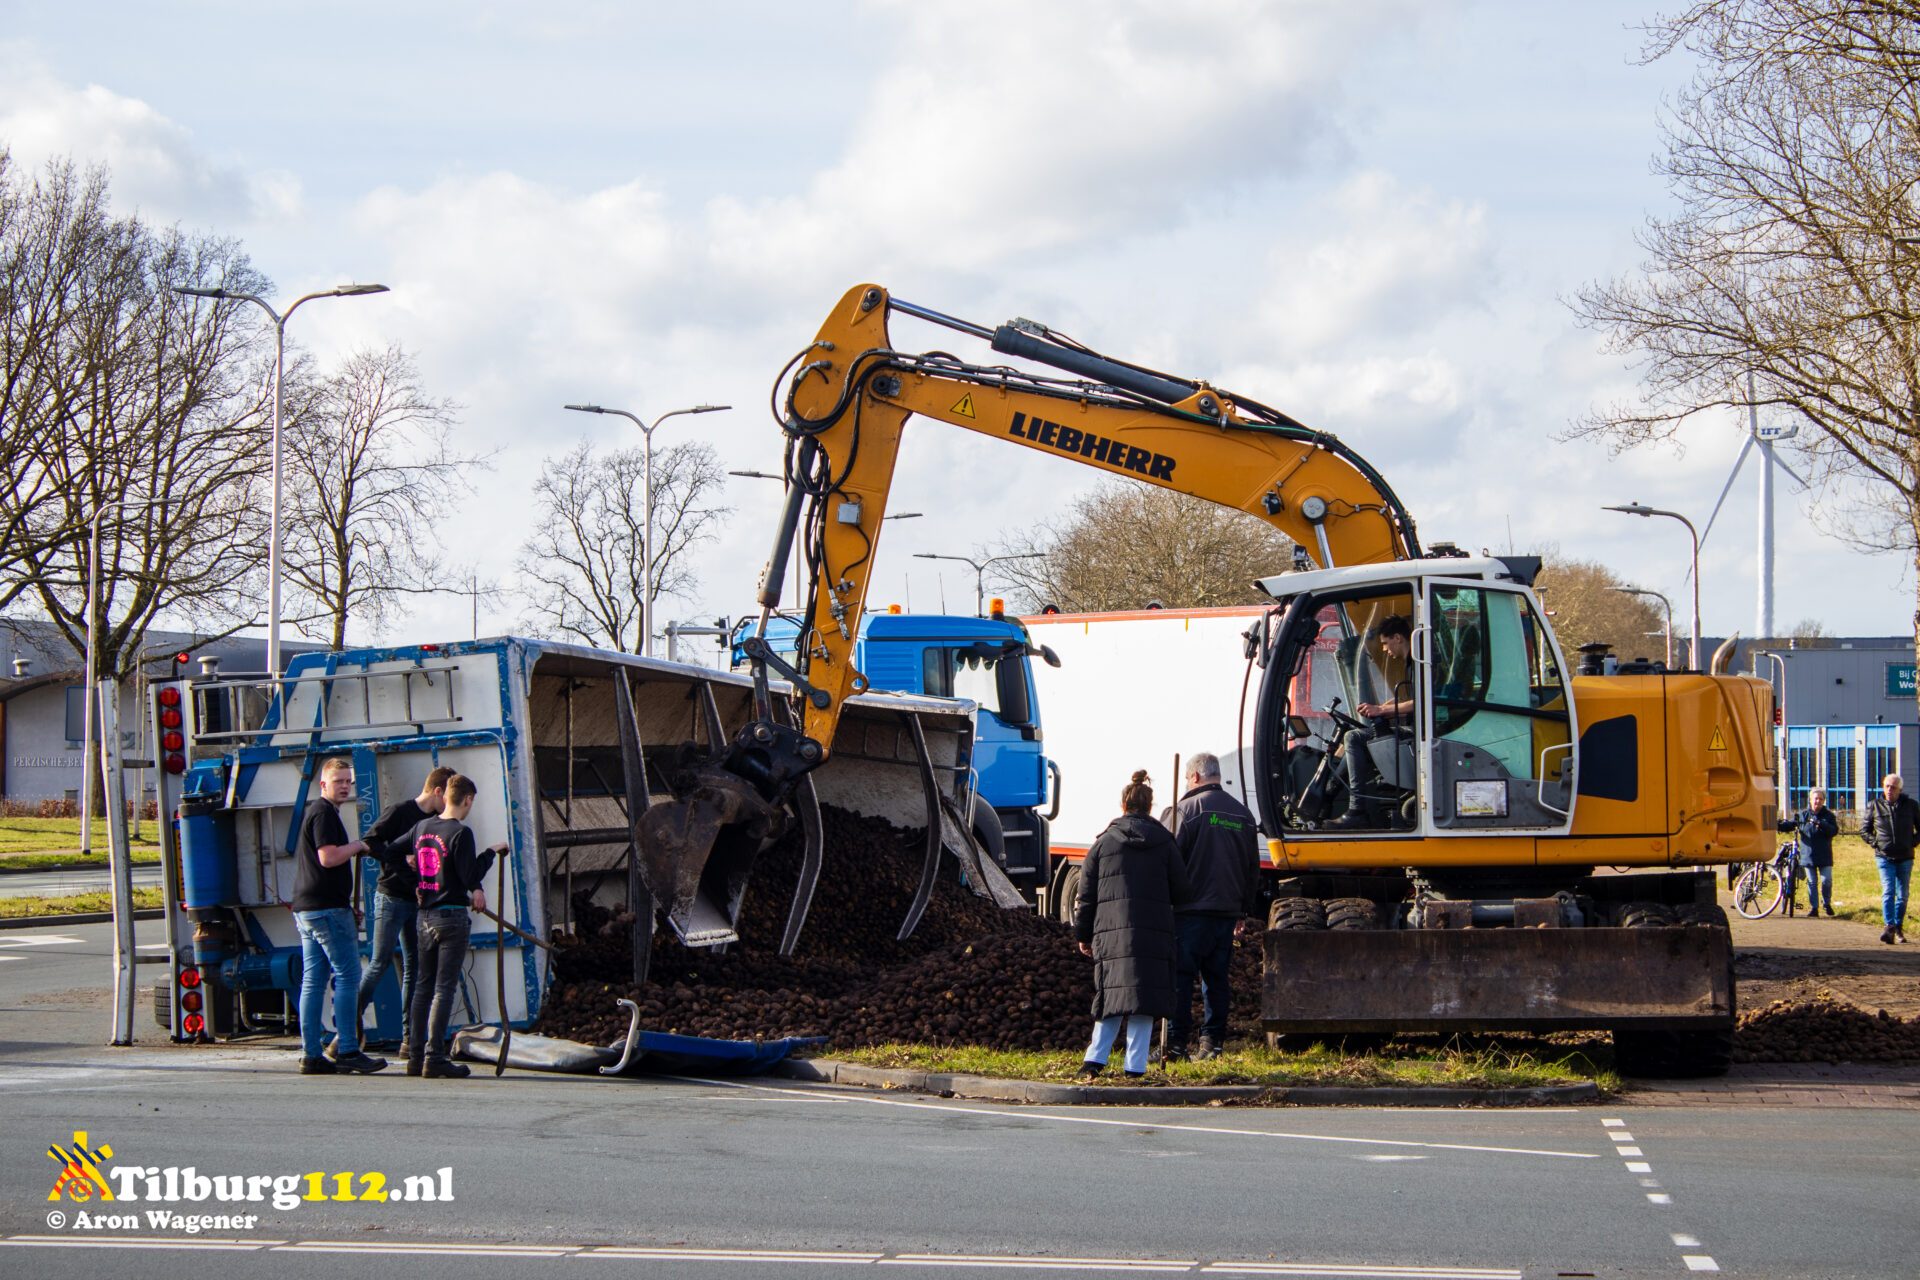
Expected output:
(87, 712)
(279, 368)
(979, 572)
(1642, 591)
(647, 556)
(1640, 509)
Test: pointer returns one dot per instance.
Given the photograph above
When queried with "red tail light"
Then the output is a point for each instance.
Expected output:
(190, 1001)
(189, 977)
(176, 763)
(169, 697)
(172, 741)
(170, 719)
(193, 1024)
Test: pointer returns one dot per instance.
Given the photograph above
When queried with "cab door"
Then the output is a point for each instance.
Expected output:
(1499, 723)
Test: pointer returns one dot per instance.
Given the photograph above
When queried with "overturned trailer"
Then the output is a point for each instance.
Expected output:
(593, 767)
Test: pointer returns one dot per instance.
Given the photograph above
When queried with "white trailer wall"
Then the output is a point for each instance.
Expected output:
(1133, 690)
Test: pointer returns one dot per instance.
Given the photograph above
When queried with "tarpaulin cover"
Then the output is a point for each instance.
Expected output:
(653, 1052)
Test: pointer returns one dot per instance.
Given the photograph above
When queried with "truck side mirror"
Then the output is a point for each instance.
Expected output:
(1048, 656)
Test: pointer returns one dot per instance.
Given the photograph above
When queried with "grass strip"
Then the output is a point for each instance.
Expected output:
(59, 838)
(1480, 1066)
(74, 904)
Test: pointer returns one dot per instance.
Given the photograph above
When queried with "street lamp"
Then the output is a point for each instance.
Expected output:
(1642, 591)
(1640, 509)
(279, 368)
(87, 713)
(646, 503)
(980, 571)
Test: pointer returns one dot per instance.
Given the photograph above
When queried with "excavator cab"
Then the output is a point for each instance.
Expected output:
(1425, 698)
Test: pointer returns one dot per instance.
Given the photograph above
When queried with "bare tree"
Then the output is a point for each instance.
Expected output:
(135, 401)
(1788, 276)
(1589, 606)
(370, 471)
(581, 571)
(1125, 544)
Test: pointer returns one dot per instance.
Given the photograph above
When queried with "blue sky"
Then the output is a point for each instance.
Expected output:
(1367, 214)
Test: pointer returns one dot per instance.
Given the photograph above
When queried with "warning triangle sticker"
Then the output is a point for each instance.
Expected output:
(965, 407)
(1719, 740)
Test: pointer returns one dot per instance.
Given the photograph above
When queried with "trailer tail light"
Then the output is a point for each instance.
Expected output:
(176, 763)
(172, 741)
(190, 977)
(170, 718)
(169, 697)
(193, 1024)
(190, 1001)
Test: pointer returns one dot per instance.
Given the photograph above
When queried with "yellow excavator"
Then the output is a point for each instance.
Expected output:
(1465, 832)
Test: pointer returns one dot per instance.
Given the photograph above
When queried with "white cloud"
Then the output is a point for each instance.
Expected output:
(156, 166)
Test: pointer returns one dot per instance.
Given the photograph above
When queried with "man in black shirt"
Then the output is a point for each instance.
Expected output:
(395, 913)
(1891, 824)
(1219, 847)
(329, 938)
(450, 874)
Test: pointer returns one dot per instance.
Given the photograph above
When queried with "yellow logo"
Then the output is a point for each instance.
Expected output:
(80, 1174)
(965, 407)
(1719, 741)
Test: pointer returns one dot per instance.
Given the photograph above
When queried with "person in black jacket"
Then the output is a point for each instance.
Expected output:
(450, 872)
(1814, 829)
(1219, 851)
(395, 912)
(1130, 883)
(1892, 826)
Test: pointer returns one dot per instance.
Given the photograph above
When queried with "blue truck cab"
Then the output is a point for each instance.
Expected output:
(984, 660)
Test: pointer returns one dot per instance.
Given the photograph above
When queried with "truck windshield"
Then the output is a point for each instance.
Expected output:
(998, 683)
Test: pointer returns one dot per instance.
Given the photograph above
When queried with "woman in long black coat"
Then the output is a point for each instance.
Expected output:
(1130, 883)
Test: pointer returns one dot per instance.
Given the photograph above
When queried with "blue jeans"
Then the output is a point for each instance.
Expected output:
(1819, 887)
(1206, 950)
(393, 926)
(1893, 890)
(1139, 1040)
(328, 940)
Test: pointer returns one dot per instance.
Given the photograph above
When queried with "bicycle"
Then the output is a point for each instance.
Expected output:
(1763, 886)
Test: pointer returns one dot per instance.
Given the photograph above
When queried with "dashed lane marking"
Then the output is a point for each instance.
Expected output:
(794, 1095)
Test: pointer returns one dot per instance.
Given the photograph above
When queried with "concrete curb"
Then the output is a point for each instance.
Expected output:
(991, 1089)
(78, 917)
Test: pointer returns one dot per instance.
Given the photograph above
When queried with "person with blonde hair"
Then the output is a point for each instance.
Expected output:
(1130, 882)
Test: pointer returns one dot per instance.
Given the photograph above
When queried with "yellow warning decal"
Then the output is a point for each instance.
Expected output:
(965, 407)
(1719, 740)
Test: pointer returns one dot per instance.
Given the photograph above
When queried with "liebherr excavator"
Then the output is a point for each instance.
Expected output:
(1455, 889)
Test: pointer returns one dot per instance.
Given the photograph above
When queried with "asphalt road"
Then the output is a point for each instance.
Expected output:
(658, 1175)
(49, 884)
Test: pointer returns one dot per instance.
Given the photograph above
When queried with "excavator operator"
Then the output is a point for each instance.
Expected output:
(1394, 636)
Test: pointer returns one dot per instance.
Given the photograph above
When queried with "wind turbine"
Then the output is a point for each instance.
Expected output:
(1765, 437)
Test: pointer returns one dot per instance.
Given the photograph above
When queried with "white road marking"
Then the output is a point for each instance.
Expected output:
(1620, 1135)
(1650, 1182)
(1685, 1242)
(795, 1095)
(47, 940)
(1639, 1166)
(1387, 1159)
(1614, 1124)
(1699, 1262)
(4, 959)
(1659, 1197)
(1628, 1151)
(643, 1253)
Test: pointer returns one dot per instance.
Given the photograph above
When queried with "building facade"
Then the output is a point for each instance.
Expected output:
(1848, 717)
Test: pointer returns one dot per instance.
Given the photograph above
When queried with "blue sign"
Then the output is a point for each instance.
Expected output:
(1900, 680)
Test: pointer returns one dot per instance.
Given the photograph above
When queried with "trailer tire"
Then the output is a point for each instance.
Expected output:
(1352, 913)
(1675, 1055)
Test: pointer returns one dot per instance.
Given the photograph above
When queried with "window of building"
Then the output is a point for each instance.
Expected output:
(1883, 751)
(1842, 785)
(76, 715)
(1803, 766)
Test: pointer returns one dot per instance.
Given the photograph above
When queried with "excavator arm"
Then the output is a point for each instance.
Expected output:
(848, 397)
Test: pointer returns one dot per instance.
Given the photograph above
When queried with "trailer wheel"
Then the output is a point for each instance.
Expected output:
(1352, 913)
(1674, 1055)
